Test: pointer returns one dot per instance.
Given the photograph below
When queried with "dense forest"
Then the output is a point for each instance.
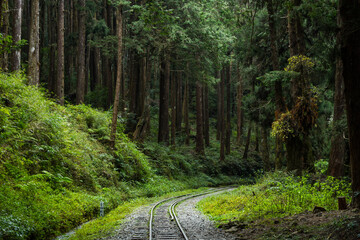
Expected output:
(100, 99)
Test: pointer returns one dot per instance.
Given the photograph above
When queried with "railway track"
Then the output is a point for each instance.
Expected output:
(163, 223)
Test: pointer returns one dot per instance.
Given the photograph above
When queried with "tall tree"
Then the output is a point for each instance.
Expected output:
(119, 33)
(350, 54)
(34, 44)
(59, 89)
(206, 114)
(239, 112)
(221, 120)
(4, 30)
(163, 134)
(228, 108)
(199, 120)
(80, 85)
(16, 34)
(337, 150)
(279, 99)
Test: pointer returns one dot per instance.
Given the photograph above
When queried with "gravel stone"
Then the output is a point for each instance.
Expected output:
(196, 225)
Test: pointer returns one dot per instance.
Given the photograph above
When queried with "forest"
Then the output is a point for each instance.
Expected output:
(127, 101)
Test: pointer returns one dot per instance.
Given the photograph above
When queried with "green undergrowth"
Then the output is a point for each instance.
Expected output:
(56, 166)
(275, 195)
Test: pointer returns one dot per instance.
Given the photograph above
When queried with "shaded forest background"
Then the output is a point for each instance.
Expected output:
(244, 86)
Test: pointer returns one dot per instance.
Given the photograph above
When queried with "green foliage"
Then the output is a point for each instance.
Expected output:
(55, 167)
(8, 45)
(275, 195)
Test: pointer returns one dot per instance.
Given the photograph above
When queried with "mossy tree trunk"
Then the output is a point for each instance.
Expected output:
(350, 55)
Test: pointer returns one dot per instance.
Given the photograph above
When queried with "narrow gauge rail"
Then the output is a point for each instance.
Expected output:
(166, 229)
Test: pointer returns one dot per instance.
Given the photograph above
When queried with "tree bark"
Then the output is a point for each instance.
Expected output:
(228, 108)
(221, 120)
(4, 29)
(199, 120)
(80, 87)
(16, 34)
(350, 54)
(163, 134)
(265, 149)
(173, 109)
(247, 145)
(337, 150)
(119, 33)
(206, 115)
(60, 51)
(239, 113)
(34, 44)
(279, 99)
(186, 112)
(179, 83)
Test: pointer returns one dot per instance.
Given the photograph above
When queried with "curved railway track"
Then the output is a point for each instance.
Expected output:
(163, 223)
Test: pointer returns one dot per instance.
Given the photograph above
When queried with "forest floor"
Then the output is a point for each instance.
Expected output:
(339, 225)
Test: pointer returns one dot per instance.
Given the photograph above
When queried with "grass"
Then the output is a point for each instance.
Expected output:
(275, 195)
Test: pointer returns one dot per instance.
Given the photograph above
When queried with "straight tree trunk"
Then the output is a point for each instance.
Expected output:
(265, 149)
(80, 87)
(119, 33)
(221, 120)
(4, 29)
(206, 115)
(279, 99)
(247, 145)
(199, 120)
(228, 108)
(239, 114)
(173, 109)
(60, 51)
(350, 54)
(16, 34)
(337, 150)
(179, 83)
(186, 112)
(34, 44)
(163, 134)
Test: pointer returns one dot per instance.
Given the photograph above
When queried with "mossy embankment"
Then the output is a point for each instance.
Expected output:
(56, 164)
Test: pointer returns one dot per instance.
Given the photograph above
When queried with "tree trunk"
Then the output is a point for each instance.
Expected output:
(186, 112)
(294, 155)
(51, 14)
(337, 150)
(80, 87)
(350, 52)
(60, 57)
(218, 119)
(228, 108)
(206, 115)
(221, 120)
(239, 114)
(279, 99)
(119, 33)
(34, 44)
(247, 145)
(265, 149)
(163, 134)
(199, 120)
(173, 109)
(16, 34)
(179, 83)
(4, 29)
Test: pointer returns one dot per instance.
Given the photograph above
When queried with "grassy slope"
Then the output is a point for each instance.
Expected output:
(55, 166)
(268, 209)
